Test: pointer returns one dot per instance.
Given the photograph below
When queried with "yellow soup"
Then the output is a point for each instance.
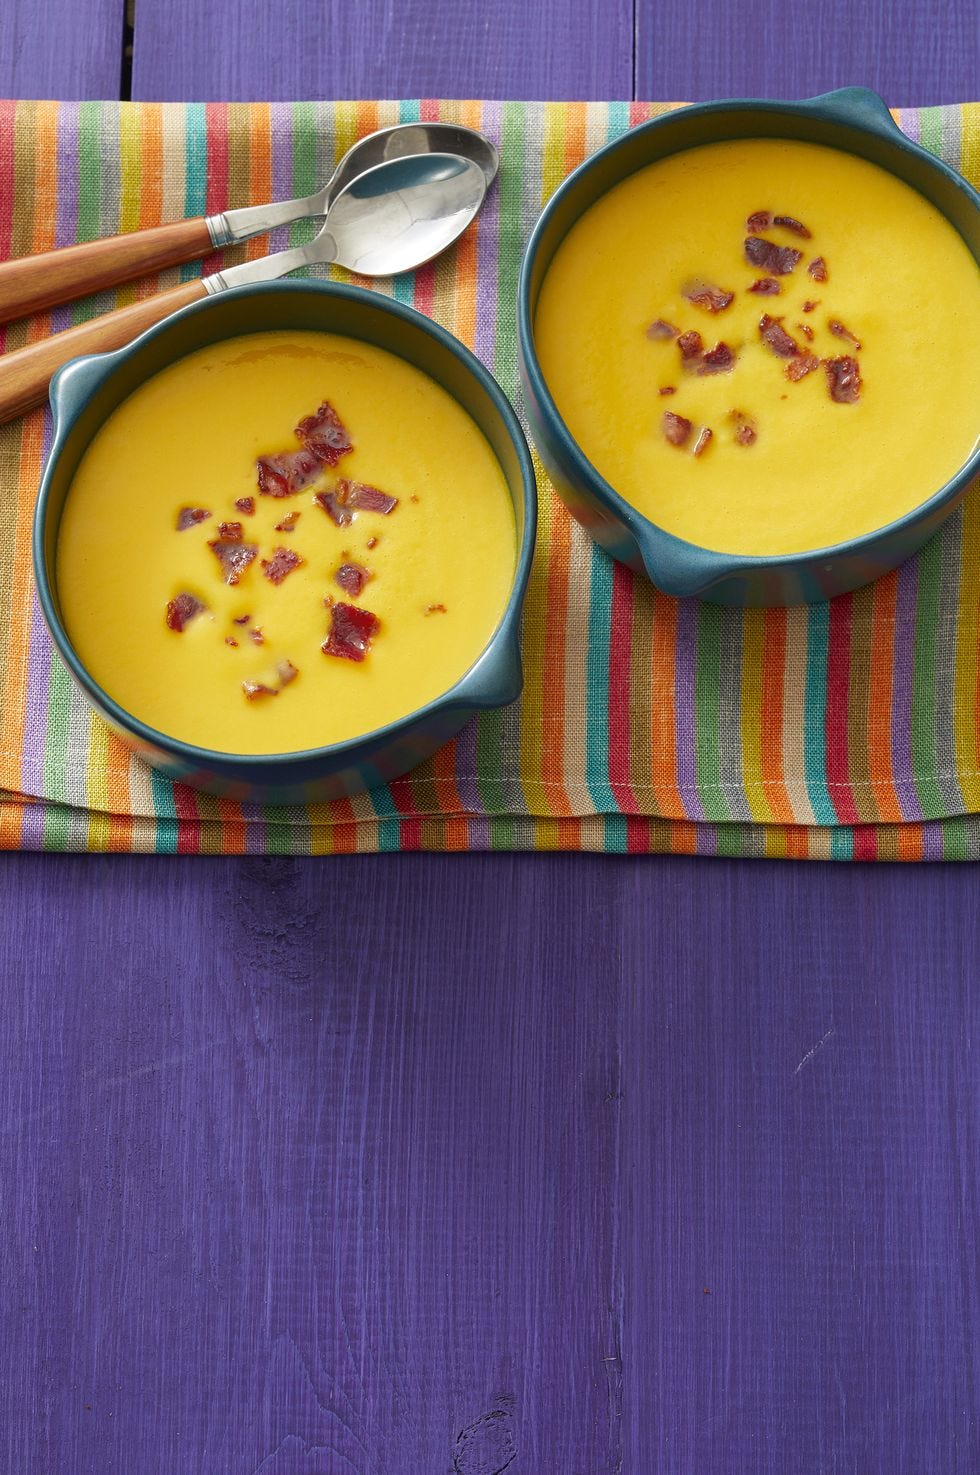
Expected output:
(248, 672)
(881, 309)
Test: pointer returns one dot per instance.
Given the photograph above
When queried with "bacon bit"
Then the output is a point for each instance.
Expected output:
(352, 577)
(241, 620)
(286, 672)
(806, 330)
(780, 260)
(795, 227)
(766, 287)
(288, 523)
(246, 505)
(325, 435)
(340, 503)
(282, 562)
(809, 306)
(667, 389)
(843, 379)
(775, 337)
(256, 637)
(189, 517)
(233, 557)
(182, 610)
(690, 344)
(703, 294)
(435, 609)
(717, 360)
(758, 220)
(676, 428)
(703, 440)
(839, 331)
(231, 531)
(255, 689)
(662, 329)
(230, 640)
(745, 431)
(818, 270)
(799, 367)
(351, 632)
(288, 472)
(372, 542)
(334, 508)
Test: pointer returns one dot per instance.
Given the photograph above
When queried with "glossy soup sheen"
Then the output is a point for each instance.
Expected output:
(440, 570)
(900, 280)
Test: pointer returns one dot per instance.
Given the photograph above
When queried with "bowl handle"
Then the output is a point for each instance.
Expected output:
(859, 106)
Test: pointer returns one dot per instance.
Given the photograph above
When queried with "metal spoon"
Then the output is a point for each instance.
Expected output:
(390, 219)
(401, 141)
(32, 283)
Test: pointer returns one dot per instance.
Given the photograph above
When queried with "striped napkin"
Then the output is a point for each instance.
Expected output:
(848, 730)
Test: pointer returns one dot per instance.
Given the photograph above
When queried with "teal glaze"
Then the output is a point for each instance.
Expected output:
(86, 391)
(852, 119)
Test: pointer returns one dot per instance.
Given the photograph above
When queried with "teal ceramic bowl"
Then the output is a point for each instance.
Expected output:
(853, 120)
(86, 391)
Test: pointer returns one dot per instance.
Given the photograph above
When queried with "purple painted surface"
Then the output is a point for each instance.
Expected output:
(650, 1166)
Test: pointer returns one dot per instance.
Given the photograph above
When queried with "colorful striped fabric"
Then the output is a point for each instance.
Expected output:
(848, 730)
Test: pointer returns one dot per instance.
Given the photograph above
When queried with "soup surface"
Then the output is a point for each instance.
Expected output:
(840, 393)
(284, 540)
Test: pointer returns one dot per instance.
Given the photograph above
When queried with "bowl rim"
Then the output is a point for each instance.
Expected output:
(503, 638)
(863, 111)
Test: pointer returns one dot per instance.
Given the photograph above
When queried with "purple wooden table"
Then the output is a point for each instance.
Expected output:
(626, 1166)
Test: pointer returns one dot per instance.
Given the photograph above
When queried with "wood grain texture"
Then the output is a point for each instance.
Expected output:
(248, 49)
(615, 1167)
(71, 49)
(913, 54)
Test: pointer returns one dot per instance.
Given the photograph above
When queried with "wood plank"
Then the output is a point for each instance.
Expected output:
(914, 57)
(380, 48)
(73, 49)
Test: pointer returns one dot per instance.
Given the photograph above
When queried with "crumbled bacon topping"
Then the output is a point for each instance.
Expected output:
(711, 298)
(351, 631)
(347, 495)
(287, 472)
(763, 219)
(717, 360)
(775, 337)
(230, 531)
(676, 428)
(435, 609)
(779, 260)
(800, 366)
(325, 435)
(189, 517)
(806, 330)
(230, 640)
(758, 220)
(843, 379)
(745, 431)
(255, 689)
(703, 440)
(233, 557)
(246, 505)
(809, 305)
(182, 610)
(289, 522)
(766, 287)
(352, 577)
(795, 227)
(662, 329)
(286, 672)
(690, 344)
(282, 562)
(255, 636)
(667, 389)
(839, 331)
(241, 619)
(372, 542)
(818, 270)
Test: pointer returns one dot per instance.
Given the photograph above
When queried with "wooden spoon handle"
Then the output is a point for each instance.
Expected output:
(26, 373)
(32, 283)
